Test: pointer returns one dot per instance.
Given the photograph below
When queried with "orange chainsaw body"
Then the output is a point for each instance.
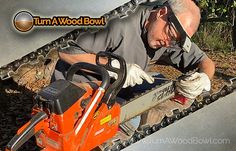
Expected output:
(58, 132)
(70, 116)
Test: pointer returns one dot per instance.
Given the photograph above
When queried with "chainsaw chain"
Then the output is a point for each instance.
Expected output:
(10, 69)
(177, 115)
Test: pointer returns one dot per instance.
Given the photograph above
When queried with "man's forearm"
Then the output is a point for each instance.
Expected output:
(207, 66)
(74, 58)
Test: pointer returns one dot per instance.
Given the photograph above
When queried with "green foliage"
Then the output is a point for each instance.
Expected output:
(217, 8)
(214, 36)
(216, 27)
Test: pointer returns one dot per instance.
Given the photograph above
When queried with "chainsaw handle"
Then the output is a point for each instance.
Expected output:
(116, 86)
(27, 132)
(91, 67)
(108, 66)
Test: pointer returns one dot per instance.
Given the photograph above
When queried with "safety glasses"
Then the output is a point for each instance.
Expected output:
(184, 42)
(171, 32)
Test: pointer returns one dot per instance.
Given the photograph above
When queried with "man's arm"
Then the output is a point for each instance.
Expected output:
(193, 85)
(84, 48)
(89, 43)
(207, 66)
(74, 58)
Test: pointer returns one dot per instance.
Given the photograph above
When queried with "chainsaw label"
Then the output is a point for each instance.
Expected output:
(51, 90)
(53, 143)
(163, 93)
(112, 122)
(105, 120)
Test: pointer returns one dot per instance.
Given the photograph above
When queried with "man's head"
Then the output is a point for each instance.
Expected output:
(161, 31)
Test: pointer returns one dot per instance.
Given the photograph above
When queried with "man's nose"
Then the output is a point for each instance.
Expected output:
(167, 43)
(163, 43)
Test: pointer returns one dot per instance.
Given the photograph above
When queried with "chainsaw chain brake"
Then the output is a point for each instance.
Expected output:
(147, 130)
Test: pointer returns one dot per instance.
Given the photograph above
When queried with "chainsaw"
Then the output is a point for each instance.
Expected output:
(80, 116)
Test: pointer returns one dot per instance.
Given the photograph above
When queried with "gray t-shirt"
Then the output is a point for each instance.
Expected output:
(126, 37)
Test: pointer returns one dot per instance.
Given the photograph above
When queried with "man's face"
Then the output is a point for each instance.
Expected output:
(160, 32)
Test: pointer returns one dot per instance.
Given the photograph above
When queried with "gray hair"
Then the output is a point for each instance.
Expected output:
(177, 6)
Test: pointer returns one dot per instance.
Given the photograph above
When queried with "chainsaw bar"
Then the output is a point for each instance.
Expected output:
(143, 101)
(198, 103)
(12, 68)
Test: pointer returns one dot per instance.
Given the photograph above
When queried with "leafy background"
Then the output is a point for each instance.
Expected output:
(217, 30)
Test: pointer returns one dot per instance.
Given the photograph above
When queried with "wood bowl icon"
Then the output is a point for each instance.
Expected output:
(23, 21)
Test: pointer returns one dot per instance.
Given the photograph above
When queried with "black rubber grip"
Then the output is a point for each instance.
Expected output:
(116, 86)
(94, 68)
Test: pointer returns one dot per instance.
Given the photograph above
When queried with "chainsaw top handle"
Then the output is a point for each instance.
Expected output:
(116, 86)
(90, 67)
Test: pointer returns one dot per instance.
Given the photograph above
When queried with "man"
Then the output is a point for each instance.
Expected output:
(160, 34)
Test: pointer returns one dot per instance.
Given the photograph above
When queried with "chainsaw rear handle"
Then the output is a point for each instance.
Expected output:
(91, 67)
(108, 66)
(116, 86)
(28, 131)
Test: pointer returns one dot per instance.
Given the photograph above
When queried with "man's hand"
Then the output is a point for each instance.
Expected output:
(135, 75)
(193, 85)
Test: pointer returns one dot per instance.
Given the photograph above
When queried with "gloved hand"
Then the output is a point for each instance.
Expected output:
(135, 75)
(191, 86)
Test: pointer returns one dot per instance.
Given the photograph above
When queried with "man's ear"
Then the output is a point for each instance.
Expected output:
(162, 11)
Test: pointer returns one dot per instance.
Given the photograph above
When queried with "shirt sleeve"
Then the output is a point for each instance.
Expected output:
(181, 60)
(93, 42)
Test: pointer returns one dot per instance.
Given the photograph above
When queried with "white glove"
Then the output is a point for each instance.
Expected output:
(193, 85)
(135, 75)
